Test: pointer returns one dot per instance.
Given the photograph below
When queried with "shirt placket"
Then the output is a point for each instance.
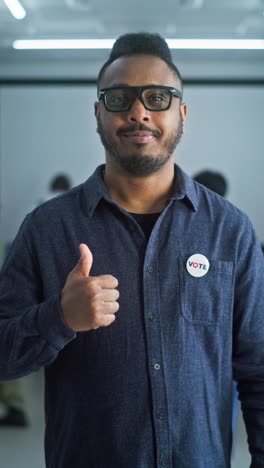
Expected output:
(155, 348)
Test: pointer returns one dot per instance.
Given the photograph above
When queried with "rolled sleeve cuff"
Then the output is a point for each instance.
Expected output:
(51, 324)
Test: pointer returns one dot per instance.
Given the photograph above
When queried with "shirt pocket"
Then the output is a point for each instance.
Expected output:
(206, 300)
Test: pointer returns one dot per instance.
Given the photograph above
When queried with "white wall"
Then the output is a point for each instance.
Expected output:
(225, 132)
(44, 130)
(49, 129)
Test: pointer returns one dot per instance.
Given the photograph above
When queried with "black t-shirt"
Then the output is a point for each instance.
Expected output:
(146, 221)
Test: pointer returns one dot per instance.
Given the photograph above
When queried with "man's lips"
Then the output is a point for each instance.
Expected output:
(138, 136)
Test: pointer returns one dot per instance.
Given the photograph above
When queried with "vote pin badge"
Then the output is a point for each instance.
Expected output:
(197, 265)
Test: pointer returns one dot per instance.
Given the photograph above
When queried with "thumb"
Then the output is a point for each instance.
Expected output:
(84, 265)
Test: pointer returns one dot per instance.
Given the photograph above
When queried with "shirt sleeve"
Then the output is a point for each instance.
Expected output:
(32, 331)
(248, 347)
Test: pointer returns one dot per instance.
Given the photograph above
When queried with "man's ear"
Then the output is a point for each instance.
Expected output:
(97, 113)
(183, 112)
(96, 109)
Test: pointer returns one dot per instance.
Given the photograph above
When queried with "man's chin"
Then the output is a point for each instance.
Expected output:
(140, 166)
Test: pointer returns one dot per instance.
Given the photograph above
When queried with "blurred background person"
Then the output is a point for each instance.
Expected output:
(59, 184)
(213, 180)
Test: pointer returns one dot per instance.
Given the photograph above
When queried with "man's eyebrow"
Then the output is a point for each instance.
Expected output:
(118, 85)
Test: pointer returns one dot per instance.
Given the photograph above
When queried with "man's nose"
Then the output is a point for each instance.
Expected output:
(138, 112)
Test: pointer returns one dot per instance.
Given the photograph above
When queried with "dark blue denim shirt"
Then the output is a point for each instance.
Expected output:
(154, 389)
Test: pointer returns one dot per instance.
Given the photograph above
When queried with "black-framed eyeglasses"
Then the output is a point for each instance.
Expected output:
(154, 98)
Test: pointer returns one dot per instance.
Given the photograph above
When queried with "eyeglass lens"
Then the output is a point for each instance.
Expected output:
(122, 98)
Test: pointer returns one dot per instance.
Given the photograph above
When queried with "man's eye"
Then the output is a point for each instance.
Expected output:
(120, 98)
(157, 97)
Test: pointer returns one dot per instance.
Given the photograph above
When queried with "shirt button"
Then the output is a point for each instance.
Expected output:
(150, 269)
(152, 318)
(156, 366)
(161, 415)
(164, 462)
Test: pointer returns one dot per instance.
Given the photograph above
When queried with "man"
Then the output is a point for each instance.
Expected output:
(12, 412)
(217, 182)
(141, 337)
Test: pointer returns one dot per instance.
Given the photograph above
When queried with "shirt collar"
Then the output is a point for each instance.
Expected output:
(184, 188)
(95, 189)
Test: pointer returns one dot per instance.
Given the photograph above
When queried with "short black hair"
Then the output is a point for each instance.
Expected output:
(140, 43)
(215, 181)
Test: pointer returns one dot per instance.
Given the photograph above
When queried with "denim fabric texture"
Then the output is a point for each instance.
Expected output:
(154, 389)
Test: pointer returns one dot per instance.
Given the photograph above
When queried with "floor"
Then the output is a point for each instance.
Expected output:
(23, 448)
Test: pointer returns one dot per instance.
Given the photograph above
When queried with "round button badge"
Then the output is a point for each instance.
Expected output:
(197, 265)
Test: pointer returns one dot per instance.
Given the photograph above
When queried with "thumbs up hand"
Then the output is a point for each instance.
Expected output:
(88, 302)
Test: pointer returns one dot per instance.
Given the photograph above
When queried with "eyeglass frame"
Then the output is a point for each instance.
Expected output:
(138, 91)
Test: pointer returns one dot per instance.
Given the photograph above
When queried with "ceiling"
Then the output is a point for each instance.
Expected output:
(110, 18)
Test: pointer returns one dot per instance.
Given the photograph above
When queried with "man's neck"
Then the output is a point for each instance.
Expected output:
(140, 194)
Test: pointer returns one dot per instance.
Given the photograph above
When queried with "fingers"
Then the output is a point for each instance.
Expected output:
(110, 308)
(107, 320)
(110, 295)
(107, 281)
(107, 316)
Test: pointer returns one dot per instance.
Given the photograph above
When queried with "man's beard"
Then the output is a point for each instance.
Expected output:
(139, 165)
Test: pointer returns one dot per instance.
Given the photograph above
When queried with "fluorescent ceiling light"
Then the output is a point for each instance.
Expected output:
(226, 44)
(15, 8)
(64, 44)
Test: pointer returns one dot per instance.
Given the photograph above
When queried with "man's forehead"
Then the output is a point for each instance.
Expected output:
(138, 70)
